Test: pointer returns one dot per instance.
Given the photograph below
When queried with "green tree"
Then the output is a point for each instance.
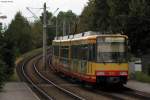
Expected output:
(20, 32)
(7, 58)
(37, 34)
(2, 65)
(101, 16)
(147, 8)
(95, 16)
(137, 7)
(118, 13)
(2, 74)
(86, 18)
(69, 18)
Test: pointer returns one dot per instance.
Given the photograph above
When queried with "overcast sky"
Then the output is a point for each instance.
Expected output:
(10, 9)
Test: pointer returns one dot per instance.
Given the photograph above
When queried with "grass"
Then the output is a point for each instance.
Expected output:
(14, 77)
(31, 53)
(142, 77)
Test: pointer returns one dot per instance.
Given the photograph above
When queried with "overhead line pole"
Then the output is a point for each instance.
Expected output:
(56, 28)
(44, 38)
(44, 33)
(56, 24)
(64, 27)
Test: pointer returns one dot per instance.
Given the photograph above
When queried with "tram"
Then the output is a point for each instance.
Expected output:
(92, 57)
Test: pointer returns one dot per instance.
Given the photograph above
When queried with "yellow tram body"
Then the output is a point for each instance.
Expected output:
(76, 57)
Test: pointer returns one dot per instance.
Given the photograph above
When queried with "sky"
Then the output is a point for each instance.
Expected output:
(10, 9)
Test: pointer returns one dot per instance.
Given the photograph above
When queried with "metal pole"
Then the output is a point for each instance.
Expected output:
(56, 27)
(44, 39)
(69, 29)
(64, 27)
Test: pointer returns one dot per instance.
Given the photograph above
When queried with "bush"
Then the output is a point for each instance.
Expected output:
(139, 76)
(2, 75)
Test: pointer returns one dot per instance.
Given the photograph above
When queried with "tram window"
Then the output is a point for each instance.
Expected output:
(56, 50)
(74, 52)
(79, 52)
(65, 52)
(83, 55)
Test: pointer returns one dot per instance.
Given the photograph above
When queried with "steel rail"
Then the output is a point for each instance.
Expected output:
(32, 83)
(137, 93)
(57, 86)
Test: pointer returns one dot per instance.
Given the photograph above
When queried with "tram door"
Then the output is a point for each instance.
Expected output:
(83, 66)
(84, 59)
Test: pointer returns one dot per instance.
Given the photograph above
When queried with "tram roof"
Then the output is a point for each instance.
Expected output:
(84, 36)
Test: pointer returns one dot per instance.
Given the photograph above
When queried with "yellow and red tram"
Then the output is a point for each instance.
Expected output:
(92, 57)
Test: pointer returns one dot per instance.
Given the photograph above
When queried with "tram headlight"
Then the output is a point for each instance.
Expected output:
(123, 73)
(100, 73)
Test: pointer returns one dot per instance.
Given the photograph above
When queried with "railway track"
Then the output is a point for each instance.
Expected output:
(51, 90)
(123, 94)
(73, 95)
(136, 93)
(26, 78)
(35, 85)
(41, 86)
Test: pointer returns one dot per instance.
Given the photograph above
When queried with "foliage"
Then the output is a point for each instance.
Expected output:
(66, 20)
(142, 77)
(2, 65)
(6, 59)
(20, 32)
(138, 32)
(8, 56)
(37, 34)
(14, 77)
(85, 22)
(118, 12)
(2, 74)
(101, 8)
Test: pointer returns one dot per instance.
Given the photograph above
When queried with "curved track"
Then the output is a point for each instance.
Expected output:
(47, 84)
(73, 95)
(42, 85)
(35, 85)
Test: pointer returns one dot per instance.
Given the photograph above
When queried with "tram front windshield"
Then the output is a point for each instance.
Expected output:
(111, 49)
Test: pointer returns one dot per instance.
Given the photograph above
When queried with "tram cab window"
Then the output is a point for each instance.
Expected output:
(111, 49)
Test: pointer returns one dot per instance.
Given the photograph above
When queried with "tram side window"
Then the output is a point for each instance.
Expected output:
(56, 50)
(83, 52)
(74, 51)
(80, 52)
(64, 52)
